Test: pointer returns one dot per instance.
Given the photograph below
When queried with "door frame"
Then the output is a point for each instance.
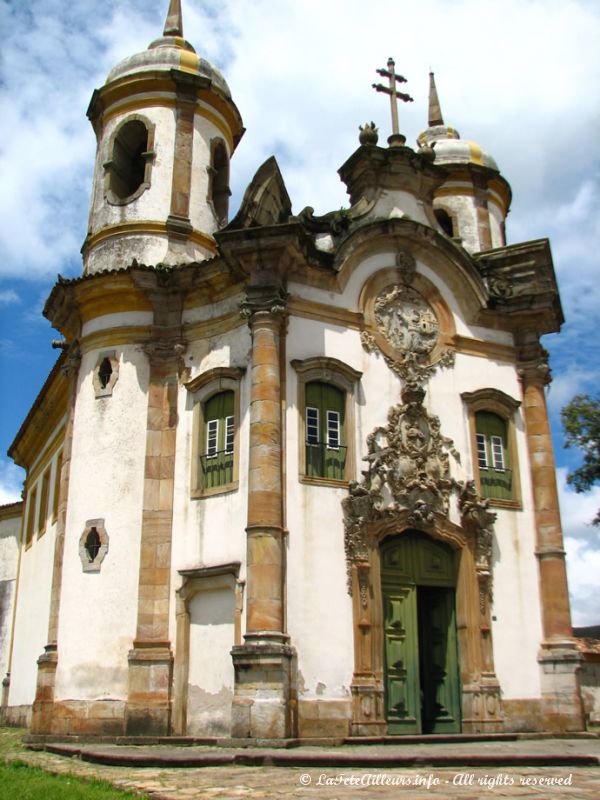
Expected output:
(480, 690)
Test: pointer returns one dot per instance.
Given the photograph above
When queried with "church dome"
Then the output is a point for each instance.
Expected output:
(166, 53)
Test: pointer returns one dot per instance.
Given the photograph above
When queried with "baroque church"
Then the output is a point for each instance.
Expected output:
(291, 476)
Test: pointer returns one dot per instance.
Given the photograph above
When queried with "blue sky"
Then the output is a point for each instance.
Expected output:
(519, 77)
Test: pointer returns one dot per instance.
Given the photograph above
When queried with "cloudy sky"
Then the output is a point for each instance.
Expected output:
(519, 77)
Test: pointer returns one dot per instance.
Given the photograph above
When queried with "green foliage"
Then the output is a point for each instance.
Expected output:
(581, 422)
(18, 780)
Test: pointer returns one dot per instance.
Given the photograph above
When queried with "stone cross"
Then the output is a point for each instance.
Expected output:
(396, 137)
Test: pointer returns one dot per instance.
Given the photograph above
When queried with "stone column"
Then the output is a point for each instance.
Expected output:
(263, 701)
(559, 658)
(43, 705)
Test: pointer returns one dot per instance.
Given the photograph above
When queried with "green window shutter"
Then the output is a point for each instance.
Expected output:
(324, 430)
(493, 456)
(216, 461)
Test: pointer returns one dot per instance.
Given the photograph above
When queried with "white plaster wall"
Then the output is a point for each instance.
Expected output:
(202, 215)
(398, 204)
(462, 208)
(318, 605)
(33, 594)
(155, 202)
(210, 530)
(98, 611)
(119, 320)
(10, 530)
(211, 674)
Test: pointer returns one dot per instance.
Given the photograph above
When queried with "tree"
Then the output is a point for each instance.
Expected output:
(581, 423)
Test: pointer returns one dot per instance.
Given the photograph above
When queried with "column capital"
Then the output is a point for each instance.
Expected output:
(263, 302)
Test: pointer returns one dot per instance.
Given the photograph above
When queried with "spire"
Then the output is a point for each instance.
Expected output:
(435, 112)
(174, 21)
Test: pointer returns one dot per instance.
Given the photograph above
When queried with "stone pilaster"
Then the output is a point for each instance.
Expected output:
(263, 704)
(148, 710)
(558, 657)
(43, 705)
(178, 221)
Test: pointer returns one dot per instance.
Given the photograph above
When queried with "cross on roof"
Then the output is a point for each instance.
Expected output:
(394, 94)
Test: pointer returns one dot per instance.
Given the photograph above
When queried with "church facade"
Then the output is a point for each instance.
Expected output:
(291, 476)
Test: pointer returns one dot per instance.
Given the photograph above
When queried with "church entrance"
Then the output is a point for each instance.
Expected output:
(422, 687)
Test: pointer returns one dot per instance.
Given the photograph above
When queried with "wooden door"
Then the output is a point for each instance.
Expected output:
(422, 689)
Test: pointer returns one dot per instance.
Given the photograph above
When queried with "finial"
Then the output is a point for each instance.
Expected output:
(396, 138)
(174, 21)
(435, 112)
(368, 133)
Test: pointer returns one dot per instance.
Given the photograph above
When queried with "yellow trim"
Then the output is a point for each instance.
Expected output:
(309, 309)
(476, 153)
(148, 227)
(46, 458)
(213, 327)
(448, 191)
(12, 510)
(189, 62)
(483, 349)
(131, 334)
(149, 83)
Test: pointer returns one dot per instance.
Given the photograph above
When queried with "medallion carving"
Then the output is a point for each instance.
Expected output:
(406, 320)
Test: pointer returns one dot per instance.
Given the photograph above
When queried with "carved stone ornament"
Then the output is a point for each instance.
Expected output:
(477, 518)
(406, 320)
(407, 469)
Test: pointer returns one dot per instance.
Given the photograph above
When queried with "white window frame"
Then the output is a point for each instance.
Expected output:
(333, 429)
(212, 438)
(312, 426)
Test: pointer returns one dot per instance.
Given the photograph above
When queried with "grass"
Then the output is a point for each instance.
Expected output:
(19, 781)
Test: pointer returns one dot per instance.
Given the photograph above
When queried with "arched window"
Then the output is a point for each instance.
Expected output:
(326, 389)
(493, 456)
(130, 162)
(495, 462)
(219, 191)
(215, 399)
(445, 221)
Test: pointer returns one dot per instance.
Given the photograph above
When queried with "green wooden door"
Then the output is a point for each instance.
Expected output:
(422, 690)
(438, 667)
(401, 659)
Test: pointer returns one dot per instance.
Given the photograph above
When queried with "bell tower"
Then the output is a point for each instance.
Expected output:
(472, 203)
(166, 128)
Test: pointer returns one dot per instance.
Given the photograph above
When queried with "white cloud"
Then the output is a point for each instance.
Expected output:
(582, 544)
(11, 482)
(8, 297)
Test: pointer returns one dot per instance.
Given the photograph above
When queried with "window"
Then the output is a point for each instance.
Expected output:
(326, 389)
(31, 518)
(93, 545)
(444, 221)
(43, 510)
(214, 395)
(129, 166)
(492, 414)
(216, 460)
(219, 191)
(106, 374)
(56, 496)
(325, 451)
(495, 475)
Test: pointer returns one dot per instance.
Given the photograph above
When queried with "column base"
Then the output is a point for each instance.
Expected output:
(561, 707)
(368, 714)
(148, 710)
(265, 697)
(43, 705)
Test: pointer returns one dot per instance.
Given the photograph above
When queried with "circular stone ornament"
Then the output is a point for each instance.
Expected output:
(406, 320)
